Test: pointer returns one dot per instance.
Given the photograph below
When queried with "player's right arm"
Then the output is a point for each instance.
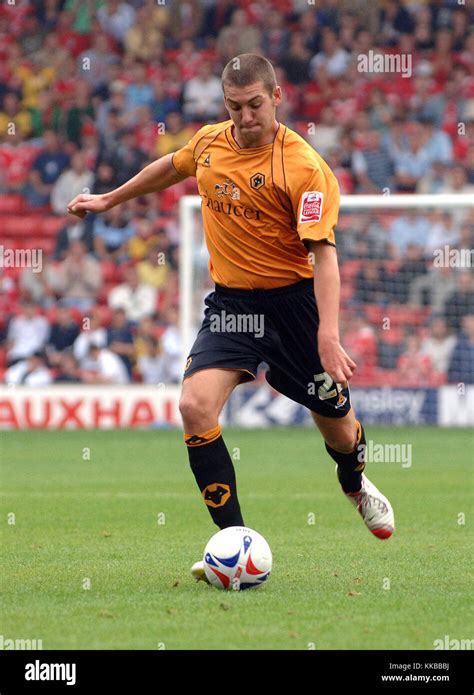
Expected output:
(153, 178)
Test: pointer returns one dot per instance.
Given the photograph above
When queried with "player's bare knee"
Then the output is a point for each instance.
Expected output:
(197, 412)
(344, 441)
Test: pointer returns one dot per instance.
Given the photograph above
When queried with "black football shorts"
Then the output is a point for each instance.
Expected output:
(242, 328)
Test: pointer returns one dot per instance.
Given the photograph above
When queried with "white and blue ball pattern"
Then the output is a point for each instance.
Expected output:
(237, 558)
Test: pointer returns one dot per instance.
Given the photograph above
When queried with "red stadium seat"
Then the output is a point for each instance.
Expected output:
(24, 226)
(375, 313)
(50, 226)
(349, 269)
(38, 242)
(11, 204)
(111, 273)
(402, 315)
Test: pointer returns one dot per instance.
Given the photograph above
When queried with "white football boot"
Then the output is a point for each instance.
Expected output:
(197, 570)
(374, 508)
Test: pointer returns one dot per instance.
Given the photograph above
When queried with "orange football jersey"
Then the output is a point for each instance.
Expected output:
(259, 204)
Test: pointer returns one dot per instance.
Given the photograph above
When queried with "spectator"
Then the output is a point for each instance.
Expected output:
(145, 330)
(51, 52)
(151, 366)
(112, 232)
(372, 284)
(120, 339)
(326, 134)
(33, 77)
(162, 104)
(45, 171)
(457, 183)
(412, 266)
(414, 366)
(466, 238)
(365, 237)
(348, 24)
(144, 235)
(32, 34)
(77, 179)
(105, 367)
(394, 21)
(68, 371)
(172, 346)
(184, 25)
(153, 270)
(136, 299)
(295, 61)
(379, 109)
(342, 173)
(13, 112)
(143, 38)
(433, 288)
(372, 165)
(275, 36)
(332, 59)
(434, 180)
(116, 18)
(461, 301)
(460, 27)
(110, 113)
(442, 232)
(92, 332)
(74, 231)
(439, 345)
(39, 287)
(238, 37)
(63, 333)
(32, 371)
(127, 159)
(461, 368)
(79, 116)
(411, 228)
(79, 277)
(309, 25)
(27, 333)
(139, 92)
(469, 162)
(412, 163)
(424, 29)
(176, 135)
(361, 343)
(105, 178)
(438, 144)
(203, 95)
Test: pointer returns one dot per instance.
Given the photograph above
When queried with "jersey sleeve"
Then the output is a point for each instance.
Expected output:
(185, 160)
(314, 194)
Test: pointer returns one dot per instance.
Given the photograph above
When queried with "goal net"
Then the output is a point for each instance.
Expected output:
(407, 295)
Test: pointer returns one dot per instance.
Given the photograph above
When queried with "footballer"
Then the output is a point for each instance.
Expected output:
(270, 205)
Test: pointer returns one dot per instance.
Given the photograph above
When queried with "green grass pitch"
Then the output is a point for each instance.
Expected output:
(99, 530)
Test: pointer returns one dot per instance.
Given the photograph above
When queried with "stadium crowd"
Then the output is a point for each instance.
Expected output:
(91, 91)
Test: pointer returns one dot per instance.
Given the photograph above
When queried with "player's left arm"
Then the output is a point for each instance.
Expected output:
(334, 359)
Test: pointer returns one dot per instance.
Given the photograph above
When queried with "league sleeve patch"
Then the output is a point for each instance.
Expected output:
(311, 207)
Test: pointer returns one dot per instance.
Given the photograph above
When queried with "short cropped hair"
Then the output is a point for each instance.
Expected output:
(248, 68)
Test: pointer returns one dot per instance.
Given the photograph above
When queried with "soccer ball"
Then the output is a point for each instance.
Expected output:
(237, 558)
